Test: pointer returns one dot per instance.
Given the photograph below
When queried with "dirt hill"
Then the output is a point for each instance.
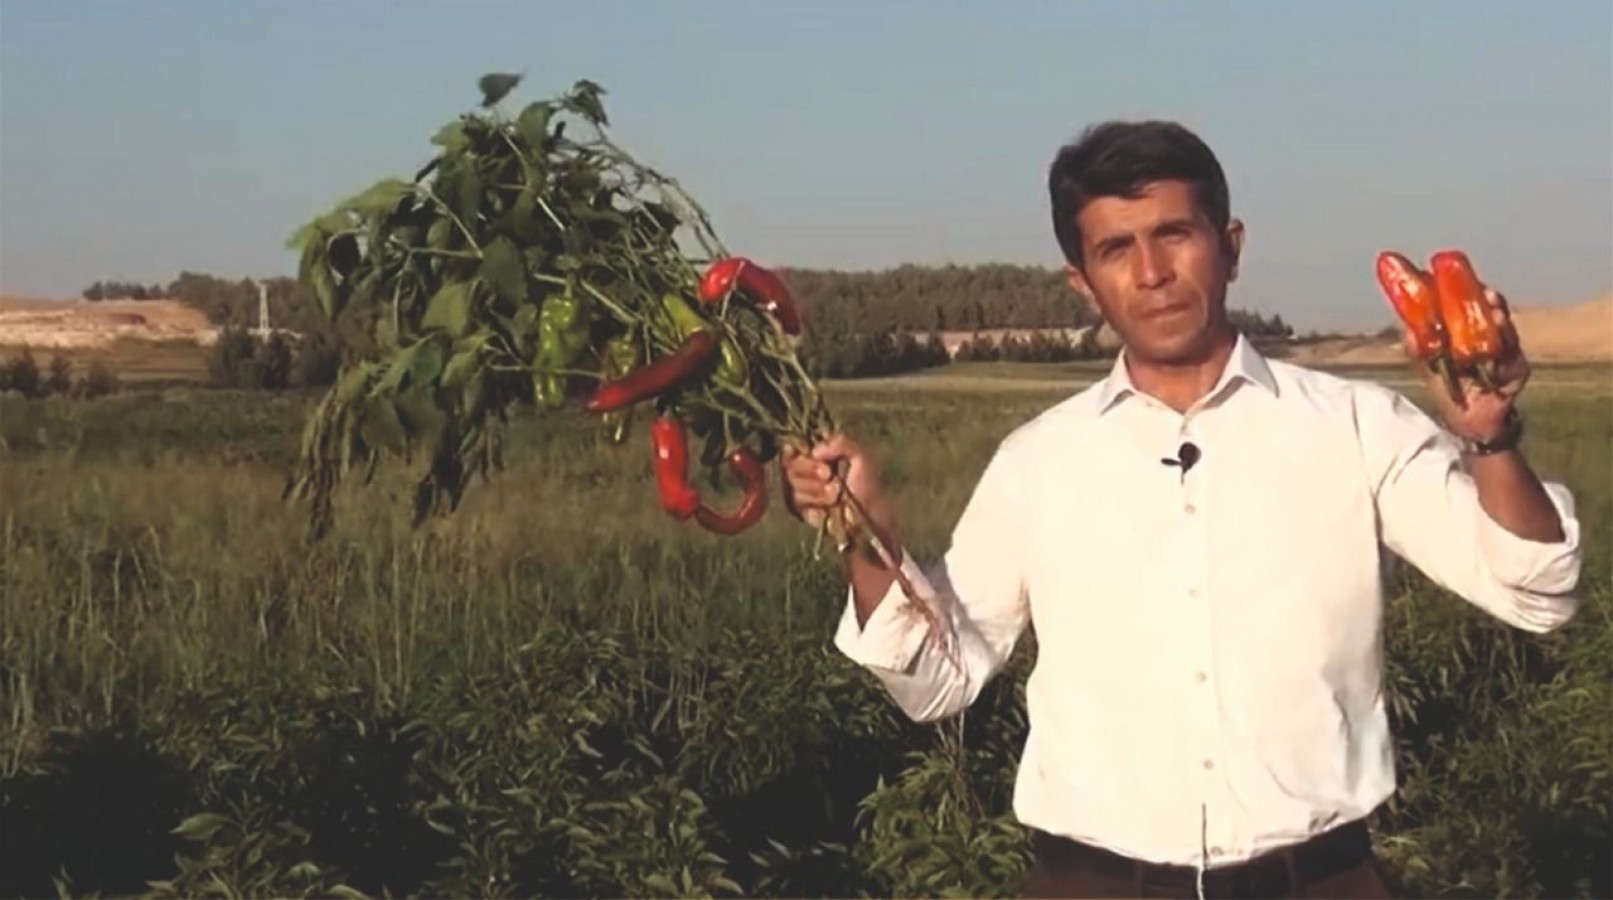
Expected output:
(78, 325)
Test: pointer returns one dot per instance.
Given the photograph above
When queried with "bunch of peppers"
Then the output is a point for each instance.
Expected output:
(700, 351)
(1453, 328)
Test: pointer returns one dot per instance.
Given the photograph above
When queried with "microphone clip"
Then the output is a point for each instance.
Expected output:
(1186, 456)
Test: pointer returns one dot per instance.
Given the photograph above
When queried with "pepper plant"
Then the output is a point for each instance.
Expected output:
(528, 264)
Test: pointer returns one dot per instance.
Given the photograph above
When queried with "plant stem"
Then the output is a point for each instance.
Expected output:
(469, 238)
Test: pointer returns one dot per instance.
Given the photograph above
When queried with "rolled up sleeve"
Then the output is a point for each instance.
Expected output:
(976, 591)
(893, 634)
(1522, 564)
(1431, 516)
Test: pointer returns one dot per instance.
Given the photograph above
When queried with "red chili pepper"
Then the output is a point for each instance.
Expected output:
(765, 290)
(679, 498)
(655, 378)
(753, 479)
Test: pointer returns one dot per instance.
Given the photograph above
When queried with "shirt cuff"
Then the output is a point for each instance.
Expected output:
(1535, 566)
(893, 635)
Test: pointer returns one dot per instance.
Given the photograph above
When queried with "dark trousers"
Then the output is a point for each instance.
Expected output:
(1337, 864)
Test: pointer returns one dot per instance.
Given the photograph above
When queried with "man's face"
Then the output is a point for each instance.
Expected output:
(1157, 271)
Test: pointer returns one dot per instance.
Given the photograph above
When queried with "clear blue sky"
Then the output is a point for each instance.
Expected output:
(142, 137)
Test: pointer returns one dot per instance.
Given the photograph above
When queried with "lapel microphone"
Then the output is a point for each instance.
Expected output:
(1186, 456)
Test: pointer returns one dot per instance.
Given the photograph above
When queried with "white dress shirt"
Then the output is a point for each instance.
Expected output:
(1208, 682)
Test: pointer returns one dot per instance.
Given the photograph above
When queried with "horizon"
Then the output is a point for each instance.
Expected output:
(1475, 125)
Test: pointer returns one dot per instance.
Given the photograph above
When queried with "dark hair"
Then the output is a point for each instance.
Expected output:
(1118, 159)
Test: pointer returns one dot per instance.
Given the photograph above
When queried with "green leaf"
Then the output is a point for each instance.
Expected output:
(533, 125)
(451, 137)
(496, 85)
(584, 100)
(440, 235)
(450, 308)
(380, 425)
(503, 270)
(467, 198)
(529, 223)
(363, 292)
(426, 364)
(201, 826)
(314, 273)
(460, 368)
(380, 199)
(525, 321)
(319, 230)
(661, 884)
(302, 237)
(414, 364)
(421, 415)
(386, 332)
(352, 383)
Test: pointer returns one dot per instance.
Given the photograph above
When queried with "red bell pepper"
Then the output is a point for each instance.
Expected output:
(1475, 337)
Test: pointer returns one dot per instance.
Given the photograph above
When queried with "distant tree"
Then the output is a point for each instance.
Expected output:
(24, 374)
(271, 363)
(60, 381)
(232, 360)
(98, 381)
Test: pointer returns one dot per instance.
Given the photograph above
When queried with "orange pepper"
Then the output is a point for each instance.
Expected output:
(1474, 334)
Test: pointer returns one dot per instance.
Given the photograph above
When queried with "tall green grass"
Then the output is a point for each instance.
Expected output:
(561, 691)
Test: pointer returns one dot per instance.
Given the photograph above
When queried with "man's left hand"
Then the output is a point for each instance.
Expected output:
(1482, 415)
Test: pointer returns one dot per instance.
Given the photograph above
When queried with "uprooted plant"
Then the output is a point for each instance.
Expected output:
(528, 264)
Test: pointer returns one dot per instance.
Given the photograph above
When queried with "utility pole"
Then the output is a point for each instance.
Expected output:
(263, 329)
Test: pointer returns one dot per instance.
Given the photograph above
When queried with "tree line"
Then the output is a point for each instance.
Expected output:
(23, 375)
(857, 323)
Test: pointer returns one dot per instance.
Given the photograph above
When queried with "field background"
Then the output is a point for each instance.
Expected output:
(561, 692)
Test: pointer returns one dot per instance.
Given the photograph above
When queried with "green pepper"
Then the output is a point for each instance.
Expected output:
(562, 336)
(684, 317)
(733, 368)
(621, 356)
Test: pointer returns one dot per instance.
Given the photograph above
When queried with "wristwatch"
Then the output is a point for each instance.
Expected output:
(1508, 439)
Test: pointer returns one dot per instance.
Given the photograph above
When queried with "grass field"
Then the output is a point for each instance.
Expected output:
(559, 691)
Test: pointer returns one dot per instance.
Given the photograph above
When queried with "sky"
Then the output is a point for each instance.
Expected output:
(141, 138)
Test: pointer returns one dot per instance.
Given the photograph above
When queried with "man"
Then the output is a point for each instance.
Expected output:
(1197, 539)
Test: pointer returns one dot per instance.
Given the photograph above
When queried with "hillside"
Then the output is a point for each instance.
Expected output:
(81, 325)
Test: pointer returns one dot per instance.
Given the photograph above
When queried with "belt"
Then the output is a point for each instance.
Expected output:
(1271, 874)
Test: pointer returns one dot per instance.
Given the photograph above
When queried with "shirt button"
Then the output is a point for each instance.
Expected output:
(1209, 764)
(1216, 851)
(1190, 509)
(1199, 677)
(1193, 592)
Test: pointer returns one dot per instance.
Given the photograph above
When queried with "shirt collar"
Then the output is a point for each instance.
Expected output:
(1245, 364)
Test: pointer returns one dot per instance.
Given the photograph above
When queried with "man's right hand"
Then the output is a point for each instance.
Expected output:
(810, 486)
